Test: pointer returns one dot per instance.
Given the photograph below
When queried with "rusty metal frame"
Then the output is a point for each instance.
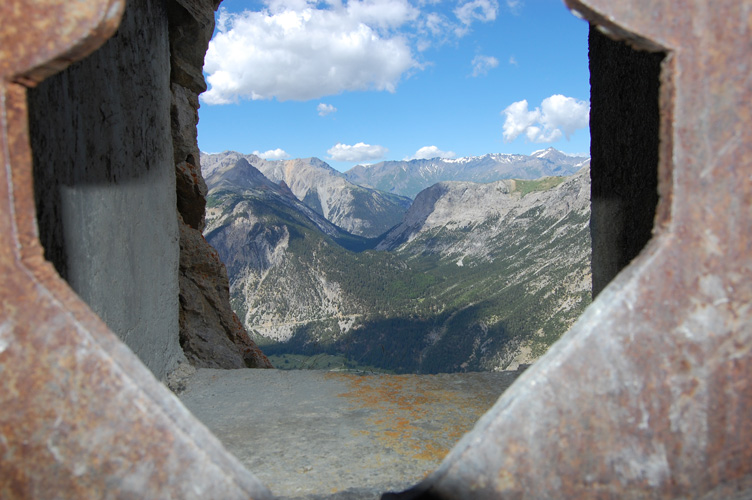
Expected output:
(80, 416)
(648, 396)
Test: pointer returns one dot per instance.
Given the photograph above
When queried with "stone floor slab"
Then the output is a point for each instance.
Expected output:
(330, 435)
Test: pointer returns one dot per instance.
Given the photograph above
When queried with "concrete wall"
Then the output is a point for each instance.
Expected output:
(624, 124)
(105, 183)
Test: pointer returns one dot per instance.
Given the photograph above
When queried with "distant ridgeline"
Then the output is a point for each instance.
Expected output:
(331, 269)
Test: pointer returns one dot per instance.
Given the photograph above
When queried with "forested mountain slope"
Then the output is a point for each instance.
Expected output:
(477, 277)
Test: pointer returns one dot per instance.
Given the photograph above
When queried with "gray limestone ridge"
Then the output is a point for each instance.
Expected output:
(453, 206)
(237, 175)
(359, 210)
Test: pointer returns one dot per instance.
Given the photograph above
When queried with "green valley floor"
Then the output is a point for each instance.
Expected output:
(319, 435)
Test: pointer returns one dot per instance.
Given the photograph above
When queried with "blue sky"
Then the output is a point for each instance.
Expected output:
(371, 80)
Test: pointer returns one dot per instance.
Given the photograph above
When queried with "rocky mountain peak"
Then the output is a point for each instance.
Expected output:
(237, 173)
(408, 178)
(359, 210)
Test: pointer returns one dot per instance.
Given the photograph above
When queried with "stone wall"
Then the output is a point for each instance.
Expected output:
(105, 183)
(119, 193)
(624, 123)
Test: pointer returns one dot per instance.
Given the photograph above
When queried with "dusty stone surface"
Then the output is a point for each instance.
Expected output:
(177, 380)
(327, 435)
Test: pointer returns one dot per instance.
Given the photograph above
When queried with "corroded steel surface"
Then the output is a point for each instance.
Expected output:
(80, 416)
(650, 394)
(42, 37)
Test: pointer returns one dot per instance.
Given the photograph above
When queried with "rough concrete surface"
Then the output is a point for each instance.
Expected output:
(318, 434)
(104, 180)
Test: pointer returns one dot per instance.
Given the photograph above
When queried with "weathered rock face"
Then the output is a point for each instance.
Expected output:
(191, 190)
(210, 333)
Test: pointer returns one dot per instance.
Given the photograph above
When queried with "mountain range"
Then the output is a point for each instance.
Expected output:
(359, 210)
(474, 276)
(408, 178)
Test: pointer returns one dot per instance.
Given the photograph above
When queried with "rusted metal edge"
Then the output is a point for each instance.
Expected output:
(80, 416)
(649, 394)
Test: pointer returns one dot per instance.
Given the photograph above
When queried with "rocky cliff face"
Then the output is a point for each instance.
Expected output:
(258, 227)
(210, 333)
(356, 209)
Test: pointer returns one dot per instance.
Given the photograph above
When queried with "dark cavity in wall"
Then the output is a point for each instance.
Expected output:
(624, 125)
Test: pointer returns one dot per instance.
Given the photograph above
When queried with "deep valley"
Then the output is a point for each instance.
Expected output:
(471, 277)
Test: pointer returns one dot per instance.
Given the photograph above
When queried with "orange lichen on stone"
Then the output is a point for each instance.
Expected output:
(417, 416)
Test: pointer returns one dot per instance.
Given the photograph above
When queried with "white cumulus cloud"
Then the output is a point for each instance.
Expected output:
(428, 152)
(482, 64)
(273, 154)
(357, 152)
(325, 109)
(565, 113)
(295, 50)
(557, 115)
(518, 119)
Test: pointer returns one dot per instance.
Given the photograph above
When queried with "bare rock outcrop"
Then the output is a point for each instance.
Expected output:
(210, 333)
(191, 190)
